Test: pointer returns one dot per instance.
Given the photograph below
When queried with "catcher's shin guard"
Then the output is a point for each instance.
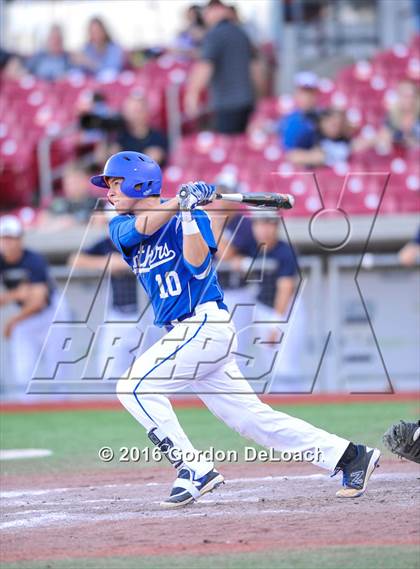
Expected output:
(166, 446)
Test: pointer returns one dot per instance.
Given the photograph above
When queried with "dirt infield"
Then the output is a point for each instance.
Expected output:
(261, 507)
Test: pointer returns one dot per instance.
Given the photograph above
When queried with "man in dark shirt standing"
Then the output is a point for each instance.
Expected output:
(225, 65)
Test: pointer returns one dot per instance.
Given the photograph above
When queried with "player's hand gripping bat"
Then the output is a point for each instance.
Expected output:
(260, 200)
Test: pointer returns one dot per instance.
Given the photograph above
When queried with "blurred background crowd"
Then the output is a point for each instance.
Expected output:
(251, 103)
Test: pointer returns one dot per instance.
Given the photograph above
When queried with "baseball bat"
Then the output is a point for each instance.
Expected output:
(260, 200)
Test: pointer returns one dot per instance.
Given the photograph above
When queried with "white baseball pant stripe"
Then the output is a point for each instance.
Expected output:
(199, 353)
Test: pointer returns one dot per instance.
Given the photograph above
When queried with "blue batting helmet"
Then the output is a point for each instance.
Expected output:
(142, 175)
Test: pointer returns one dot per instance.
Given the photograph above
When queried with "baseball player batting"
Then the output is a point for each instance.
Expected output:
(169, 246)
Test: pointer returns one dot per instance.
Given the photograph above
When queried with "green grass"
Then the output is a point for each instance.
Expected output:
(76, 436)
(407, 557)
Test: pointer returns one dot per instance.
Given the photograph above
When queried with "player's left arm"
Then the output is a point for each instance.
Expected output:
(198, 244)
(195, 249)
(198, 240)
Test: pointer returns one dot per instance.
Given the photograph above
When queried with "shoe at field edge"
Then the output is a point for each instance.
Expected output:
(356, 474)
(186, 489)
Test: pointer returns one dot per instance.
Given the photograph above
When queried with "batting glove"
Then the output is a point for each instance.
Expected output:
(195, 193)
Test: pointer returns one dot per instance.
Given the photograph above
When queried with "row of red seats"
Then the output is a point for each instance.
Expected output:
(31, 108)
(365, 90)
(357, 187)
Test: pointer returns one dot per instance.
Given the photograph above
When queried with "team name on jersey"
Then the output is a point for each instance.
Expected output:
(152, 256)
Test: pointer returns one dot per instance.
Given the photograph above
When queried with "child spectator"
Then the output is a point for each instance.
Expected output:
(334, 142)
(299, 128)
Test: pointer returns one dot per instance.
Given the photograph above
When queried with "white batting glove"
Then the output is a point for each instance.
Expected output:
(195, 193)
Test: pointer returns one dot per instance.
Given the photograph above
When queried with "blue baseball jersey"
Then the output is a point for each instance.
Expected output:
(157, 261)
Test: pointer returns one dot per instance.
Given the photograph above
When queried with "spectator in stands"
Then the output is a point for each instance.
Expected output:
(189, 41)
(410, 253)
(333, 144)
(12, 65)
(137, 133)
(100, 54)
(299, 128)
(402, 126)
(29, 287)
(226, 66)
(76, 204)
(52, 62)
(249, 26)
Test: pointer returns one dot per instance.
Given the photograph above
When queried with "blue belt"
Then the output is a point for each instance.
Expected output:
(169, 325)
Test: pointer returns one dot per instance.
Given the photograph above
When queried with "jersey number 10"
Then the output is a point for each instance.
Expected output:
(173, 285)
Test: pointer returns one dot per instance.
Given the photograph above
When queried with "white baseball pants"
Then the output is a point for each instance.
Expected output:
(122, 335)
(199, 353)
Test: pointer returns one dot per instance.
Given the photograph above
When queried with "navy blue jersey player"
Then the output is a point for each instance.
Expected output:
(169, 246)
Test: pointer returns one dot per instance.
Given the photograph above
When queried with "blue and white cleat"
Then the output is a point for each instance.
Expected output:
(186, 489)
(356, 473)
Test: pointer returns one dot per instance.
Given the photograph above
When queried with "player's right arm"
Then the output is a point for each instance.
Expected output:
(148, 222)
(128, 231)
